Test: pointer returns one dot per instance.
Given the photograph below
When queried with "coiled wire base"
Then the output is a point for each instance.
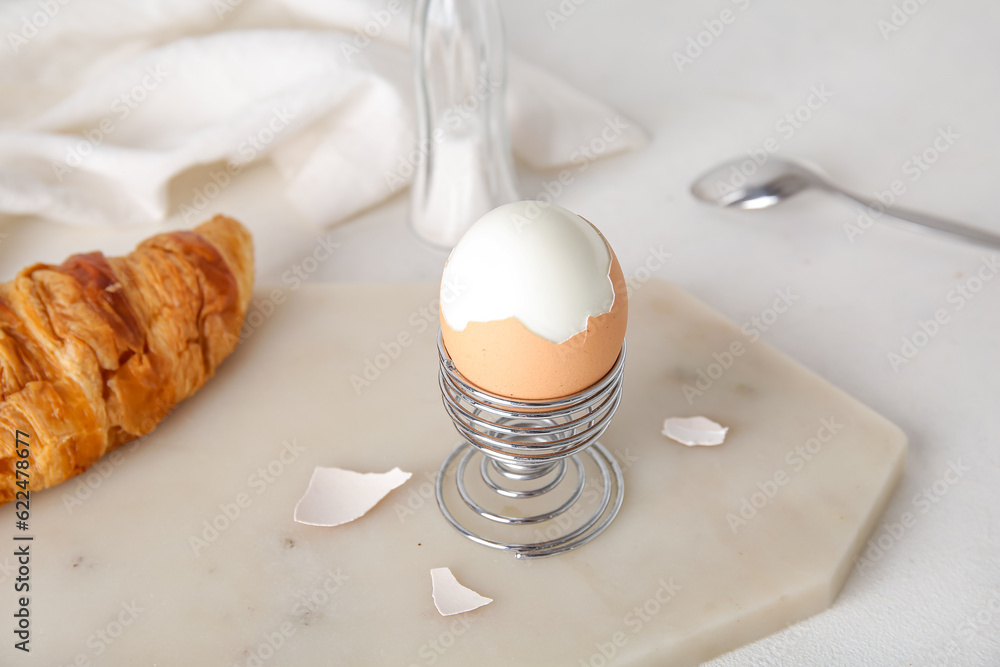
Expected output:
(545, 485)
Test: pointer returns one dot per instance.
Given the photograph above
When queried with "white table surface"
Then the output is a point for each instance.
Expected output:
(933, 596)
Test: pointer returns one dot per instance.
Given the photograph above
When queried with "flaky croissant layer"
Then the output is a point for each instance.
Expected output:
(96, 351)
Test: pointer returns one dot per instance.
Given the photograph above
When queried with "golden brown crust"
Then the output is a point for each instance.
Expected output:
(96, 351)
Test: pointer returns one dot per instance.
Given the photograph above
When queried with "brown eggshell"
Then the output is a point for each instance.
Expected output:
(505, 358)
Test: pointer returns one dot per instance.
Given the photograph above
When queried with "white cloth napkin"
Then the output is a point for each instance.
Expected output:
(102, 103)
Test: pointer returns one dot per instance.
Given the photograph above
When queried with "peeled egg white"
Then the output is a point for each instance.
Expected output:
(533, 303)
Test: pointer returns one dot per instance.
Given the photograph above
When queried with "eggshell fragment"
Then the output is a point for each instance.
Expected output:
(336, 496)
(692, 431)
(451, 597)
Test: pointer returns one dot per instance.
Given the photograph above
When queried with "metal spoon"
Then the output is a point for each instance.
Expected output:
(776, 180)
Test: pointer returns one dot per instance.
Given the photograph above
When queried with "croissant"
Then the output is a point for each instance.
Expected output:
(96, 351)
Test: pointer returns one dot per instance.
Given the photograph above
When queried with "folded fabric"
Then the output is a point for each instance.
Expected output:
(104, 102)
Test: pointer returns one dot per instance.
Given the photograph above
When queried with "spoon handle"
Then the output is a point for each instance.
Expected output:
(948, 227)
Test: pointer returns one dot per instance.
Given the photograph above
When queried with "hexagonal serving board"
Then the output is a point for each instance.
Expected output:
(182, 548)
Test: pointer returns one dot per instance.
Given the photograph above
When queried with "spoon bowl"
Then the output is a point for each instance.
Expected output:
(730, 186)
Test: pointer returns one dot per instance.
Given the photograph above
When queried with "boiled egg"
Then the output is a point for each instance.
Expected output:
(533, 303)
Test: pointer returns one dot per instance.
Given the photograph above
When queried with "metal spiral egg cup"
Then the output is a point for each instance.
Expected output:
(526, 448)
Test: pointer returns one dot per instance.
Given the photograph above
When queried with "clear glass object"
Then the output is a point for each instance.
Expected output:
(466, 167)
